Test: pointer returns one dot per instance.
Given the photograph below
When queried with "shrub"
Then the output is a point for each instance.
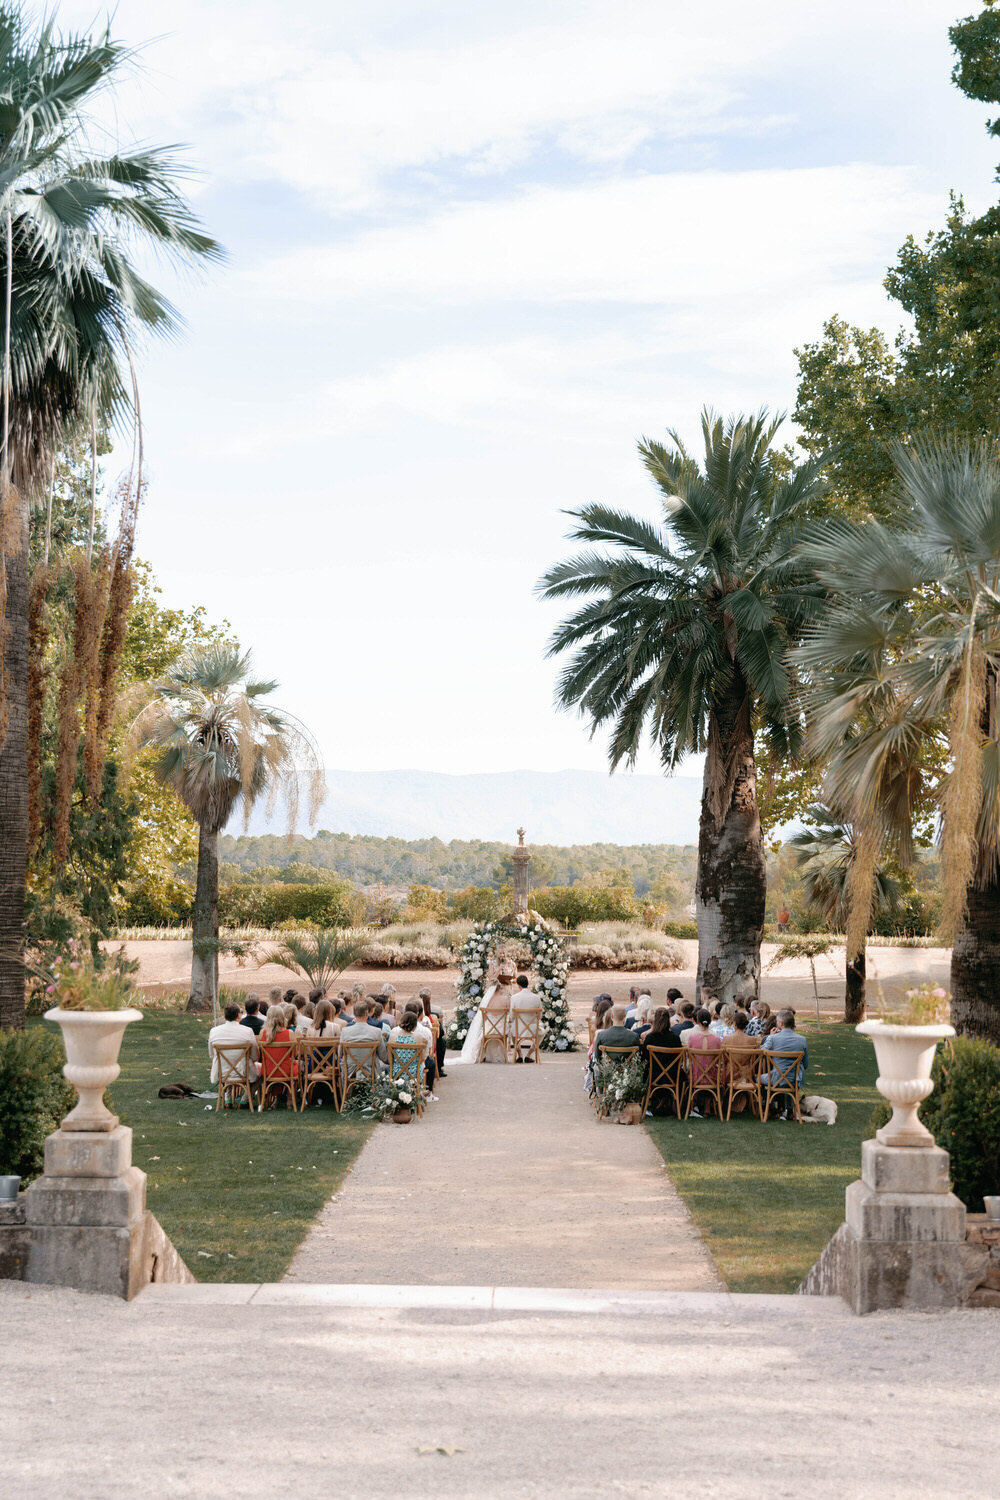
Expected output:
(425, 902)
(681, 929)
(165, 903)
(336, 904)
(573, 904)
(963, 1116)
(476, 903)
(34, 1096)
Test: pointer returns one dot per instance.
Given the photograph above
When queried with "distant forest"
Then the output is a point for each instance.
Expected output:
(453, 866)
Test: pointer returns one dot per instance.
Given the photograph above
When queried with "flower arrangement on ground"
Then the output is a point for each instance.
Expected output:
(391, 1095)
(619, 1081)
(550, 965)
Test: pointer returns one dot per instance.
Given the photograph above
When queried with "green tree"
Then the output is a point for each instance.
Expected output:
(908, 652)
(856, 394)
(75, 303)
(685, 632)
(217, 744)
(827, 852)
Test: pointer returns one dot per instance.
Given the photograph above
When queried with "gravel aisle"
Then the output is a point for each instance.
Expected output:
(509, 1181)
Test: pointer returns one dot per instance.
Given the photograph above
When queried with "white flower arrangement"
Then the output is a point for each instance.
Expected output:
(551, 967)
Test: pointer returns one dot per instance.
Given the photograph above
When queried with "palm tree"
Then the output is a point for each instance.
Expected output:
(73, 303)
(685, 633)
(322, 955)
(827, 853)
(908, 653)
(217, 744)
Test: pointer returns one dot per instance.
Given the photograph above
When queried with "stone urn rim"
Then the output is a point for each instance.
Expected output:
(937, 1030)
(125, 1012)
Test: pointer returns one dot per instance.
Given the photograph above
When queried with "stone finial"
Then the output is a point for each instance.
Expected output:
(520, 837)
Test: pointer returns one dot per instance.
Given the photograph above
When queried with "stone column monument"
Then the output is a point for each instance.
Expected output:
(522, 859)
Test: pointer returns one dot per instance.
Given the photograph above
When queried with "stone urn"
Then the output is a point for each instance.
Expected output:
(904, 1055)
(92, 1039)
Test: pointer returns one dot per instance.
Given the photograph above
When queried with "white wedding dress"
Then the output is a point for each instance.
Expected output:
(472, 1045)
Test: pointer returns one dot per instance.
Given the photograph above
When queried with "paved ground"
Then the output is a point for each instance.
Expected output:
(509, 1180)
(733, 1398)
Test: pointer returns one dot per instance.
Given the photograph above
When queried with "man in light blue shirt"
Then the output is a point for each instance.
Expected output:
(786, 1039)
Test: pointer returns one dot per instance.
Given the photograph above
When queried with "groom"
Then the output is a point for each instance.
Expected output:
(524, 1002)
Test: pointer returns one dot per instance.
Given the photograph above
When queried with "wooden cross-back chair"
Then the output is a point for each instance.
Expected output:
(706, 1072)
(666, 1077)
(405, 1062)
(591, 1030)
(785, 1085)
(279, 1074)
(494, 1030)
(358, 1062)
(619, 1054)
(524, 1034)
(236, 1072)
(743, 1069)
(319, 1066)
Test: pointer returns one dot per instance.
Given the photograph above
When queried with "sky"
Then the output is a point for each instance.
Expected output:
(475, 252)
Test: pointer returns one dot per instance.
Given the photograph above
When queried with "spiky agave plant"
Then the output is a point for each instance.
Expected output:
(217, 743)
(322, 955)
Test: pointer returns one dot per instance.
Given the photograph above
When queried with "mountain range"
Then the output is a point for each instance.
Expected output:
(556, 807)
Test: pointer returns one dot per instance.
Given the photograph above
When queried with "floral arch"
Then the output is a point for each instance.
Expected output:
(548, 961)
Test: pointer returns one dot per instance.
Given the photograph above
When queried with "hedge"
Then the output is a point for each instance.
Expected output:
(336, 904)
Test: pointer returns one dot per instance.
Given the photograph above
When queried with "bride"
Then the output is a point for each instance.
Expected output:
(496, 1000)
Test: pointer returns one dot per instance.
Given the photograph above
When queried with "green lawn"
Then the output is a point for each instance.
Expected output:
(235, 1192)
(768, 1197)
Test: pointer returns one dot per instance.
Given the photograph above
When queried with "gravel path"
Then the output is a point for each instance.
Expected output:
(735, 1398)
(509, 1180)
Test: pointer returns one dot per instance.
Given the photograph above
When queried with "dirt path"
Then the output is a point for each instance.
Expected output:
(509, 1181)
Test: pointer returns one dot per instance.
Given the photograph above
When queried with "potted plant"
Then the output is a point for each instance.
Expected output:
(620, 1087)
(395, 1099)
(904, 1053)
(92, 1012)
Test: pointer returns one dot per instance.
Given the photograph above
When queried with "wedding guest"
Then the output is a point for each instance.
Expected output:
(231, 1030)
(768, 1026)
(723, 1024)
(786, 1039)
(617, 1034)
(357, 993)
(289, 997)
(425, 1035)
(273, 996)
(360, 1031)
(323, 1021)
(602, 1007)
(759, 1012)
(674, 998)
(315, 996)
(252, 1017)
(643, 1010)
(440, 1040)
(275, 1062)
(387, 992)
(702, 1069)
(660, 1034)
(375, 1015)
(685, 1019)
(740, 1048)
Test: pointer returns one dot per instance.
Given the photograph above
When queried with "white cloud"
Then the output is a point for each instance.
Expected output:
(661, 239)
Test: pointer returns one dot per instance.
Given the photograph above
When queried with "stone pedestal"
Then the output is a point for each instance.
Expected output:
(86, 1221)
(904, 1242)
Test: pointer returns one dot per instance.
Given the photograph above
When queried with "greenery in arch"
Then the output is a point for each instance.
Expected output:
(550, 966)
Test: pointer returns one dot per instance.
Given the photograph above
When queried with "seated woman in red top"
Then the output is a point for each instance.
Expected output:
(275, 1063)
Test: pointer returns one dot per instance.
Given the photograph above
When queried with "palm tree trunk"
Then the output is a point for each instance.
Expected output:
(14, 776)
(732, 878)
(205, 925)
(855, 998)
(975, 965)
